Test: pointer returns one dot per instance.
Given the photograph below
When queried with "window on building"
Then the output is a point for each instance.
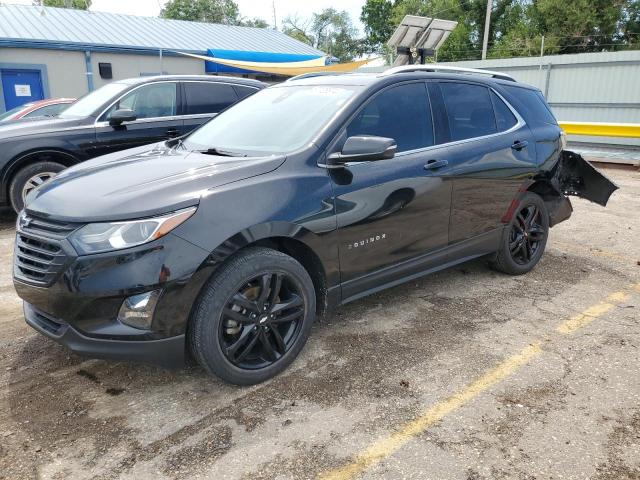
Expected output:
(105, 71)
(401, 113)
(469, 110)
(208, 97)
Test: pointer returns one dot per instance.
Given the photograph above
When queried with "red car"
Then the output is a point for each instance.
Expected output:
(41, 108)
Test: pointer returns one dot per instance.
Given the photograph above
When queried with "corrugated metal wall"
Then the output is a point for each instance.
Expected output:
(586, 87)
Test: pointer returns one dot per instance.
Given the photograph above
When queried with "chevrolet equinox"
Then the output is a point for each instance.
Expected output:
(225, 244)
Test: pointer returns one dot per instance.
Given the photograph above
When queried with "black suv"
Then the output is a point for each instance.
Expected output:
(120, 115)
(226, 244)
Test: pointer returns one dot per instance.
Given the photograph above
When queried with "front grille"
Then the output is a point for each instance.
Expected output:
(39, 256)
(46, 227)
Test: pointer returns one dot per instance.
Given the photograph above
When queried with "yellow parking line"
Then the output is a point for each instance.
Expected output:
(590, 314)
(387, 446)
(595, 251)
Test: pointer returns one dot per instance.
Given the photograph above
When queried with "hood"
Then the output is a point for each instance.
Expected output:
(139, 183)
(18, 128)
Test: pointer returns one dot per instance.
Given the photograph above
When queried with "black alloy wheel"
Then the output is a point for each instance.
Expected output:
(253, 316)
(261, 321)
(527, 234)
(524, 239)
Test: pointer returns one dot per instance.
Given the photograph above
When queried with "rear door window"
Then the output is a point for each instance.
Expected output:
(208, 97)
(505, 119)
(402, 113)
(469, 110)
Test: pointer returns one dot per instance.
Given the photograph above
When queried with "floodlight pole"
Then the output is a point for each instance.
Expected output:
(487, 21)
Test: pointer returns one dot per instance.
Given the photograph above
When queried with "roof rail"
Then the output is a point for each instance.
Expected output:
(443, 68)
(313, 74)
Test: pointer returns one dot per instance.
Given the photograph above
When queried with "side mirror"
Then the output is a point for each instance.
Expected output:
(363, 149)
(120, 116)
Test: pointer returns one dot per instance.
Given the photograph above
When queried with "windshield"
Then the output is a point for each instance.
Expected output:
(13, 111)
(88, 104)
(280, 119)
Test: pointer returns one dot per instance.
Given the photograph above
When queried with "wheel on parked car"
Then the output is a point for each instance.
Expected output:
(524, 240)
(28, 178)
(253, 317)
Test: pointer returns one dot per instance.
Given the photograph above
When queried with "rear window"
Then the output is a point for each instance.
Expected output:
(532, 105)
(469, 110)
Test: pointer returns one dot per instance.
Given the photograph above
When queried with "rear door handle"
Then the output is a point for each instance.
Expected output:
(433, 164)
(519, 145)
(173, 132)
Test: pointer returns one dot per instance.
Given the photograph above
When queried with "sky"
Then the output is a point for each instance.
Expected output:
(248, 8)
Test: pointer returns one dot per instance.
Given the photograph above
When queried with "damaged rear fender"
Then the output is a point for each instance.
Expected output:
(573, 175)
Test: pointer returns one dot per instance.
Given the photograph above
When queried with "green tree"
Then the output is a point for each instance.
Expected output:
(378, 27)
(254, 22)
(329, 30)
(211, 11)
(516, 27)
(77, 4)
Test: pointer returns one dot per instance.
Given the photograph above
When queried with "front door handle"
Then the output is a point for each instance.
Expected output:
(433, 164)
(173, 132)
(519, 145)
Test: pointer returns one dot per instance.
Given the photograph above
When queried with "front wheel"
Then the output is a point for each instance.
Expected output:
(524, 239)
(28, 179)
(253, 317)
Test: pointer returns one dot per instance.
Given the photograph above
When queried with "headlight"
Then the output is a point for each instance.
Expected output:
(103, 237)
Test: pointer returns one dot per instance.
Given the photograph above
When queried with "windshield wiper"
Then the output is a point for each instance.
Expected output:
(222, 153)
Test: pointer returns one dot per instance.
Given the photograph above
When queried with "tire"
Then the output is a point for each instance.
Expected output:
(222, 335)
(525, 238)
(30, 175)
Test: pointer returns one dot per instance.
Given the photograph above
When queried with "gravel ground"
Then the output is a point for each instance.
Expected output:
(421, 377)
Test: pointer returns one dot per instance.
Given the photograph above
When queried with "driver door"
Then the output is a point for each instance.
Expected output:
(392, 213)
(156, 106)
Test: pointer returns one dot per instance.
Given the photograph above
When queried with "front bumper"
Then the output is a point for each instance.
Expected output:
(79, 308)
(166, 352)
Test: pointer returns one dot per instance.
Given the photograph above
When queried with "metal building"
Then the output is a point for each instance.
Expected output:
(55, 52)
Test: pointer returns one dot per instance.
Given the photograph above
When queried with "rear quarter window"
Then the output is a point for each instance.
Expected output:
(532, 106)
(243, 91)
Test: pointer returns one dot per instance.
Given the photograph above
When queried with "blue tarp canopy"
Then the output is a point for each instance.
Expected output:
(269, 57)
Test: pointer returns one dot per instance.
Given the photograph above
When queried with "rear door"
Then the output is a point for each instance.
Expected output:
(204, 100)
(156, 106)
(490, 152)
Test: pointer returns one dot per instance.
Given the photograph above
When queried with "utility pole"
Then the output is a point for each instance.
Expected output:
(487, 22)
(275, 20)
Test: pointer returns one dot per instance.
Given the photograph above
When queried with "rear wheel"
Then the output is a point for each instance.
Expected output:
(524, 240)
(29, 178)
(253, 317)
